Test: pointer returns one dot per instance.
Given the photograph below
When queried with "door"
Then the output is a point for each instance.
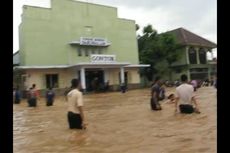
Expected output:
(94, 80)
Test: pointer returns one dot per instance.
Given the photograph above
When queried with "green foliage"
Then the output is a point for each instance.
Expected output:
(158, 50)
(149, 30)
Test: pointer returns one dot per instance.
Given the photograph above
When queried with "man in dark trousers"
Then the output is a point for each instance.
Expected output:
(75, 115)
(50, 97)
(185, 95)
(155, 92)
(33, 96)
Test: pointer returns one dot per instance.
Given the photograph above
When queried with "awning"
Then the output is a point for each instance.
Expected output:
(102, 65)
(85, 65)
(42, 67)
(137, 65)
(91, 41)
(78, 43)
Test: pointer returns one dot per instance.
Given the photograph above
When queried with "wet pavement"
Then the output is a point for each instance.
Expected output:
(118, 123)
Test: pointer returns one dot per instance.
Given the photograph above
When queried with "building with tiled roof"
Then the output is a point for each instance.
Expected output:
(194, 61)
(186, 37)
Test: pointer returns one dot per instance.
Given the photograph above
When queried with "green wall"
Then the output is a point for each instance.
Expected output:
(182, 60)
(46, 32)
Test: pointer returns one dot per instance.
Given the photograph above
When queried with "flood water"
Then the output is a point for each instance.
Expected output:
(118, 123)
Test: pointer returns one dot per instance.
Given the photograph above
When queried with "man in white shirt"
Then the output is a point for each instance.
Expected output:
(75, 114)
(185, 95)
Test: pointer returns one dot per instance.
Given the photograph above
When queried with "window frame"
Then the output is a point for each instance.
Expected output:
(192, 56)
(51, 82)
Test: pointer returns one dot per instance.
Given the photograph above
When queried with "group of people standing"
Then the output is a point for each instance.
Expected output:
(74, 97)
(184, 99)
(33, 96)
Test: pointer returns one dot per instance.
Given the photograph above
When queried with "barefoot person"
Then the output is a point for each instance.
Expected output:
(75, 115)
(185, 95)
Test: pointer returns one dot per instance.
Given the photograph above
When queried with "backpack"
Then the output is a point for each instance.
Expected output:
(162, 94)
(50, 94)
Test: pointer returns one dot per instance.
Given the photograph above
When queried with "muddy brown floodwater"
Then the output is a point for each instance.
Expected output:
(118, 123)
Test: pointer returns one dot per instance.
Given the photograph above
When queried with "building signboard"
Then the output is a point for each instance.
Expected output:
(95, 58)
(88, 41)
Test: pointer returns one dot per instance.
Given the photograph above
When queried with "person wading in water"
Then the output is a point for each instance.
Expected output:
(75, 115)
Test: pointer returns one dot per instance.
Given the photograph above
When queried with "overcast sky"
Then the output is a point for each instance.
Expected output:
(197, 16)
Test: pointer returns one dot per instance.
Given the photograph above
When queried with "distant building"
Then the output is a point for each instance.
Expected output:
(16, 59)
(75, 39)
(194, 61)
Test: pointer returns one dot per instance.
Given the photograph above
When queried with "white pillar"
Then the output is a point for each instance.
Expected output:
(187, 54)
(77, 74)
(122, 75)
(189, 75)
(106, 75)
(83, 79)
(209, 73)
(212, 56)
(197, 55)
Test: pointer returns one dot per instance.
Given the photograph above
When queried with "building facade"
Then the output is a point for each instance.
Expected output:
(194, 61)
(75, 39)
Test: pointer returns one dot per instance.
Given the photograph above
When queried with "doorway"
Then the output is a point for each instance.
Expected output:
(94, 80)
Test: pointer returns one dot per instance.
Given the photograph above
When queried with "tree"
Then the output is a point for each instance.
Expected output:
(145, 47)
(158, 50)
(137, 27)
(171, 52)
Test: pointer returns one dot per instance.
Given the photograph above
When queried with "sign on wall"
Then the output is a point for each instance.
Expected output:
(95, 58)
(88, 41)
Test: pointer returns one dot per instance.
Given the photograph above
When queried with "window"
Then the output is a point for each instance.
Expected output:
(178, 70)
(86, 52)
(24, 78)
(95, 51)
(52, 80)
(202, 56)
(199, 70)
(89, 51)
(192, 56)
(79, 51)
(99, 51)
